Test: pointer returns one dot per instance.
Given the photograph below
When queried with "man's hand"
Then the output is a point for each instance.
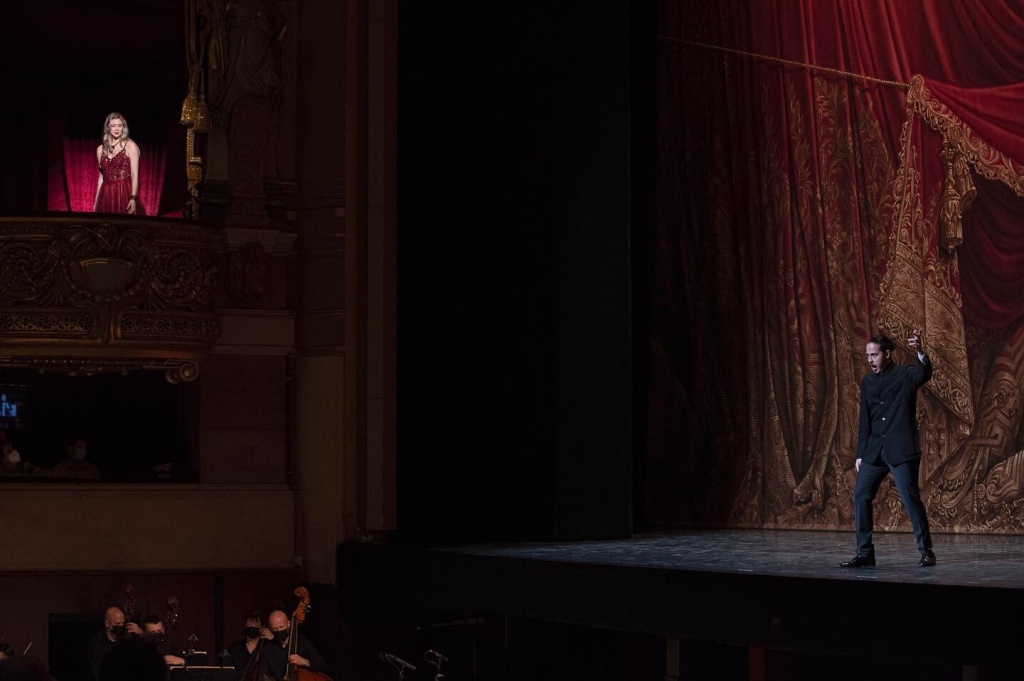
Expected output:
(267, 634)
(133, 628)
(915, 342)
(857, 465)
(172, 660)
(298, 660)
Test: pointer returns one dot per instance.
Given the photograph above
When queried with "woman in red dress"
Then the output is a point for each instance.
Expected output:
(118, 158)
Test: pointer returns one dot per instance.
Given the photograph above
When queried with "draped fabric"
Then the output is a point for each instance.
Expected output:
(78, 191)
(152, 166)
(80, 174)
(799, 211)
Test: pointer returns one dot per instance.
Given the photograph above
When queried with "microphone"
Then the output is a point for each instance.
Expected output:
(439, 656)
(471, 622)
(397, 661)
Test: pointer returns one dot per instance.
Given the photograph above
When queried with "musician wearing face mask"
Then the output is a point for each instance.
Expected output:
(246, 650)
(12, 465)
(154, 631)
(114, 630)
(75, 466)
(275, 658)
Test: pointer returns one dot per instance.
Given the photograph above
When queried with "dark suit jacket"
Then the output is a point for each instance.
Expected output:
(274, 658)
(99, 646)
(888, 413)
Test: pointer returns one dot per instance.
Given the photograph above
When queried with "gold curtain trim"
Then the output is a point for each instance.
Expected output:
(989, 162)
(915, 292)
(788, 62)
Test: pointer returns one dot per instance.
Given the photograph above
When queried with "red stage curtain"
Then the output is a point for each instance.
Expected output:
(987, 124)
(798, 212)
(80, 174)
(992, 258)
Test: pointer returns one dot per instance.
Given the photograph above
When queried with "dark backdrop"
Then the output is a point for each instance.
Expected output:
(66, 66)
(515, 385)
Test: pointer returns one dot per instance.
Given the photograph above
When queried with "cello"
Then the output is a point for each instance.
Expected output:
(293, 672)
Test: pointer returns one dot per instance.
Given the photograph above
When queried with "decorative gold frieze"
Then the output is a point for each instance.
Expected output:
(55, 323)
(168, 326)
(175, 370)
(81, 295)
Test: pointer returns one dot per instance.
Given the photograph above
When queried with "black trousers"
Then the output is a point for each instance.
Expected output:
(869, 479)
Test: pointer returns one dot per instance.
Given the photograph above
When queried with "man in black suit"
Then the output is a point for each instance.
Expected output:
(889, 443)
(114, 630)
(276, 658)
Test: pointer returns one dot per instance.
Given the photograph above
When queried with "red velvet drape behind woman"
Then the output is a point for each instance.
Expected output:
(81, 173)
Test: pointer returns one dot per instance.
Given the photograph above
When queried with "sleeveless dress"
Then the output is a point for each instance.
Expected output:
(116, 190)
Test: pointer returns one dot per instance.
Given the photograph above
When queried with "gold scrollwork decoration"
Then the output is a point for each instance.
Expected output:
(157, 326)
(84, 296)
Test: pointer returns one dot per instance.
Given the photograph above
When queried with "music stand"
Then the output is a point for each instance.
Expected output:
(202, 673)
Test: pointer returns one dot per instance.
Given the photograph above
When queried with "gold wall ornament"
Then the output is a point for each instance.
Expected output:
(180, 369)
(85, 296)
(193, 175)
(246, 273)
(195, 113)
(188, 109)
(185, 372)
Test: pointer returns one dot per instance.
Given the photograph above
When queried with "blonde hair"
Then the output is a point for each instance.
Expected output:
(107, 146)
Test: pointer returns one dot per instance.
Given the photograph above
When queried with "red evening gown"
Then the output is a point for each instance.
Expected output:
(116, 190)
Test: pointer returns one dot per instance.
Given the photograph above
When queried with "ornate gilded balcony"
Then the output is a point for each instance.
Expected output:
(86, 295)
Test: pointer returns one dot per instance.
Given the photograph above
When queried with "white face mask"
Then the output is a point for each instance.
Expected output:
(14, 457)
(79, 454)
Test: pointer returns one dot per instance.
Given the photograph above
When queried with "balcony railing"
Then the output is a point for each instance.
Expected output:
(84, 295)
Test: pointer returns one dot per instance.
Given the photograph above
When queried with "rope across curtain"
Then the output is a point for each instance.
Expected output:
(78, 191)
(800, 210)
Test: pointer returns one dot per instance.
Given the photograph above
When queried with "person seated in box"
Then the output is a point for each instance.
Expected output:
(11, 465)
(75, 465)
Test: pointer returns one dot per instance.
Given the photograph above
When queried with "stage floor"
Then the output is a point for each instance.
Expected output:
(770, 589)
(963, 560)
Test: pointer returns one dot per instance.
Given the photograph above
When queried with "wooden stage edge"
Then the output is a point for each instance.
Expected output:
(778, 589)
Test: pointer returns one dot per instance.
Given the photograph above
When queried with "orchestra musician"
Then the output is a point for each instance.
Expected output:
(114, 629)
(244, 651)
(155, 633)
(274, 659)
(133, 659)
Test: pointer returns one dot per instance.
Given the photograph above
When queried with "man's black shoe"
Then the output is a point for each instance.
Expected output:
(927, 560)
(863, 561)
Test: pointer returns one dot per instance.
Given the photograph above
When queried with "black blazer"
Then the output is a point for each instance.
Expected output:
(888, 413)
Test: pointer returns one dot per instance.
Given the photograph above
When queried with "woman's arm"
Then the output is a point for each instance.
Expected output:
(133, 156)
(99, 182)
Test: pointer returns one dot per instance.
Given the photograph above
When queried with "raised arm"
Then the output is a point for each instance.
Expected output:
(923, 369)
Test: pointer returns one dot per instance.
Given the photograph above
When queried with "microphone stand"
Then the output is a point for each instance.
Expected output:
(437, 659)
(398, 663)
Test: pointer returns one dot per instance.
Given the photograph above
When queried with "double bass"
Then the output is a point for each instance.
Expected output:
(132, 615)
(292, 672)
(170, 623)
